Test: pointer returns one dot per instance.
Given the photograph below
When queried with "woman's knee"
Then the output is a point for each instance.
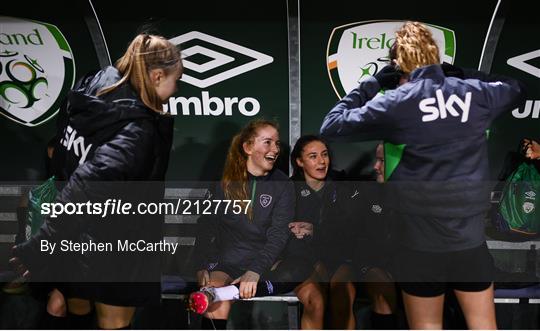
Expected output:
(79, 306)
(381, 305)
(343, 290)
(219, 310)
(342, 298)
(56, 305)
(114, 317)
(383, 296)
(219, 279)
(312, 297)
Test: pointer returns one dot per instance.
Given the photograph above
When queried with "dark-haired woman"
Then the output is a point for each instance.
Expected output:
(324, 235)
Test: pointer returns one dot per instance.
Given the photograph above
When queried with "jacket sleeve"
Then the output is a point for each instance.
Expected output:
(207, 241)
(360, 113)
(118, 159)
(206, 248)
(501, 93)
(278, 232)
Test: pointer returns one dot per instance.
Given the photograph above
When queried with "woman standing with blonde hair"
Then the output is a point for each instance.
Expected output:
(438, 167)
(117, 133)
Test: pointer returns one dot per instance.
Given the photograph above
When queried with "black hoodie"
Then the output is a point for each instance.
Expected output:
(115, 116)
(113, 138)
(329, 210)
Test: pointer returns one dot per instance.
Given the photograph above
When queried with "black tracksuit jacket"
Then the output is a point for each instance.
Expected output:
(109, 147)
(335, 226)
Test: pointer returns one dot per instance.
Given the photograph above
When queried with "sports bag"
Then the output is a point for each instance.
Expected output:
(518, 210)
(44, 193)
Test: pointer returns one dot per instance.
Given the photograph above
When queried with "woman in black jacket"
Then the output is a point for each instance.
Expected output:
(323, 235)
(114, 131)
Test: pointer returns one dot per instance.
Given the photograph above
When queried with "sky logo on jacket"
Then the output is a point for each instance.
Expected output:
(72, 141)
(36, 70)
(359, 50)
(439, 107)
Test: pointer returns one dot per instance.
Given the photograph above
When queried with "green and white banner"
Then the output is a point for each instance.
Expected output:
(237, 67)
(359, 50)
(36, 70)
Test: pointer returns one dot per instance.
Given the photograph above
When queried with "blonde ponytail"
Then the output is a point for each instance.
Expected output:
(146, 52)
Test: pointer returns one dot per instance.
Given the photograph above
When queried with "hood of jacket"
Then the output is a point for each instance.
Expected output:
(89, 113)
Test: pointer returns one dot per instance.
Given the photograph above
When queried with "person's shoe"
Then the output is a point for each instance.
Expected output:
(199, 301)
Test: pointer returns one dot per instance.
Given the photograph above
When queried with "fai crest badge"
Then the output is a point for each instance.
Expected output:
(36, 70)
(359, 50)
(265, 200)
(528, 207)
(377, 209)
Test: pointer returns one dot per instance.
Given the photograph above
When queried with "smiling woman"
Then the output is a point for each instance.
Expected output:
(262, 151)
(253, 152)
(240, 249)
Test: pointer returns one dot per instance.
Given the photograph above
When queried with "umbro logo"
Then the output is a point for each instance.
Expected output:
(520, 62)
(209, 60)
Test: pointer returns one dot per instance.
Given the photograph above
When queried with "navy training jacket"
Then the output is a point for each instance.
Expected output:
(235, 240)
(437, 127)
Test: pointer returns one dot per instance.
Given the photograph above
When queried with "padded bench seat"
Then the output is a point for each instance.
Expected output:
(530, 294)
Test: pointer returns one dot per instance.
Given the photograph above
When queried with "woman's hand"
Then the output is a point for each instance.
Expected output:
(248, 284)
(301, 229)
(203, 278)
(532, 149)
(18, 265)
